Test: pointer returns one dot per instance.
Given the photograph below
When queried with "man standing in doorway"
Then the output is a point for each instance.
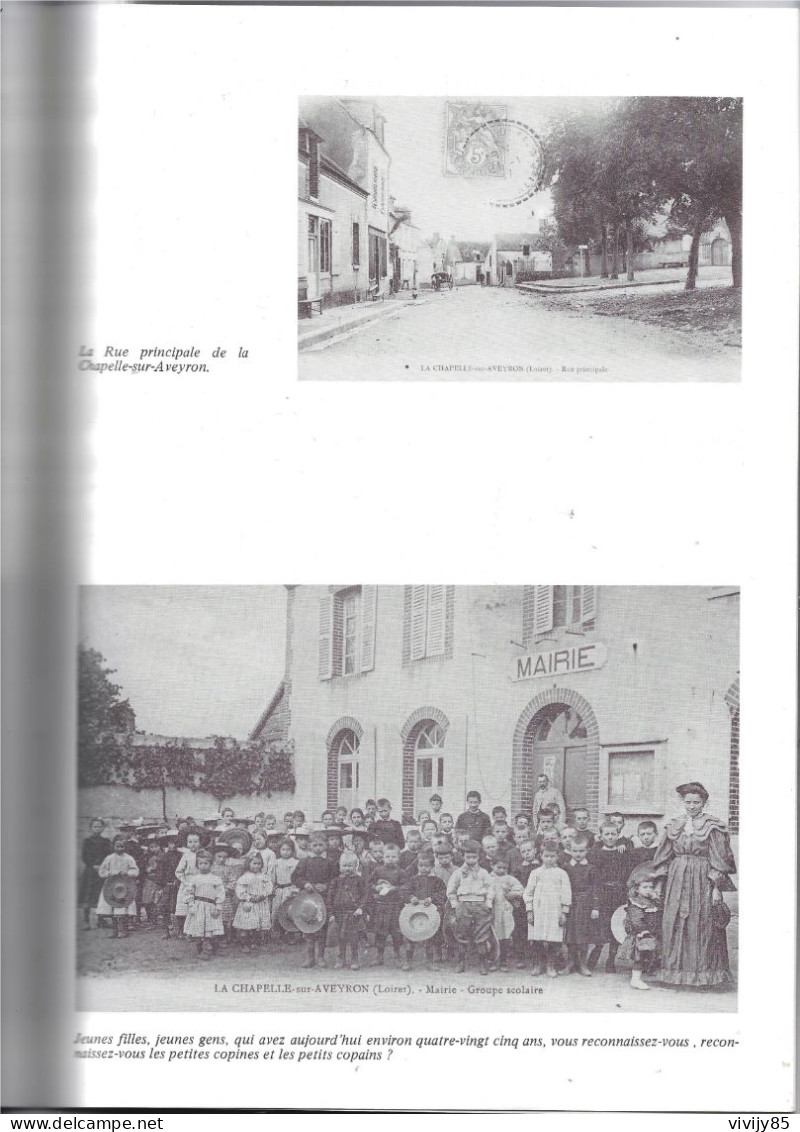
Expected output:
(547, 795)
(474, 821)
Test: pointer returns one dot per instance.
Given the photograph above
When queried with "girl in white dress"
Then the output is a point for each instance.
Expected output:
(253, 890)
(548, 898)
(118, 863)
(205, 895)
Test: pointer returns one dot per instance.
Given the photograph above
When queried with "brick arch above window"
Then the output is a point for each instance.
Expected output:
(347, 722)
(419, 716)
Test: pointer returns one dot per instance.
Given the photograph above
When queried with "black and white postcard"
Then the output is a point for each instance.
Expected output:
(503, 798)
(520, 238)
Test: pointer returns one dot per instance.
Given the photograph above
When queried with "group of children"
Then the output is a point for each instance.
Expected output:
(540, 898)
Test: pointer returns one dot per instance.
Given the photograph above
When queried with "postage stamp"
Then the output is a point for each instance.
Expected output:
(475, 139)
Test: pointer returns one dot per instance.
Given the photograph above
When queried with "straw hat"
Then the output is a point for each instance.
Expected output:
(419, 922)
(308, 912)
(119, 891)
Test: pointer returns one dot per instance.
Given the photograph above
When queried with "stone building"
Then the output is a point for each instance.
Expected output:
(617, 693)
(514, 255)
(343, 201)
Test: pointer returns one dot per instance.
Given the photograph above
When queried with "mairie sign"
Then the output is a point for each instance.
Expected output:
(560, 662)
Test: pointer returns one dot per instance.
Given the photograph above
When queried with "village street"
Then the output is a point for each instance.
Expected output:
(478, 334)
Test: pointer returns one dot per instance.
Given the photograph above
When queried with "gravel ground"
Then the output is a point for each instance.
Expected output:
(146, 972)
(500, 334)
(712, 316)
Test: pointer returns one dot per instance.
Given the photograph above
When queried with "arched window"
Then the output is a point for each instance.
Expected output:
(425, 771)
(347, 755)
(429, 763)
(343, 769)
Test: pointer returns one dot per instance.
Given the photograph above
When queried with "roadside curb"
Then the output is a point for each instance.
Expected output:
(342, 326)
(545, 290)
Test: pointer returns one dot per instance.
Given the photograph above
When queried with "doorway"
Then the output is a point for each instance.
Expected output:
(557, 750)
(313, 257)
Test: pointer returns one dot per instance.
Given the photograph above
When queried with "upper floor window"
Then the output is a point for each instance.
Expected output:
(356, 244)
(546, 608)
(347, 622)
(427, 622)
(374, 186)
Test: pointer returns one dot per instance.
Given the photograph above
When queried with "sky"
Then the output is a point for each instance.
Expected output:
(193, 660)
(452, 205)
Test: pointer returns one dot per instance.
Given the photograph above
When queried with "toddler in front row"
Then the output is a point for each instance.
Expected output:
(548, 898)
(253, 890)
(204, 896)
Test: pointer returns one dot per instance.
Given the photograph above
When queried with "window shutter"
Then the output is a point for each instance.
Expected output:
(326, 637)
(369, 601)
(418, 613)
(437, 597)
(527, 614)
(542, 609)
(588, 603)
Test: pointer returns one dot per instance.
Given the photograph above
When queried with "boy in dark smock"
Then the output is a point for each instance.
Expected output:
(581, 928)
(388, 897)
(314, 874)
(426, 888)
(610, 891)
(347, 900)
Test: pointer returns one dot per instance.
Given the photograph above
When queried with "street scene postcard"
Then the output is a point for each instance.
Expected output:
(519, 239)
(418, 798)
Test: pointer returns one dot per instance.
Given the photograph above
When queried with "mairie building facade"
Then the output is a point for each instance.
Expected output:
(617, 693)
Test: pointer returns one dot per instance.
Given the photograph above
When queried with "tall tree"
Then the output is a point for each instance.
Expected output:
(573, 163)
(599, 171)
(625, 182)
(694, 148)
(98, 698)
